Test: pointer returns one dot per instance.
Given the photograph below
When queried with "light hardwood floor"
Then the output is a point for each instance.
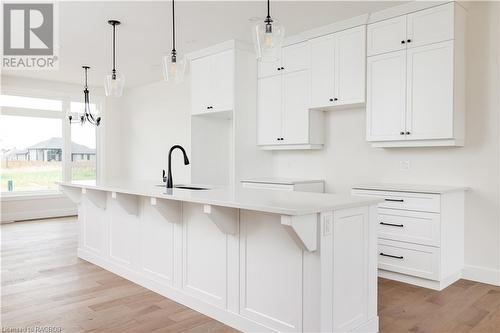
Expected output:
(45, 284)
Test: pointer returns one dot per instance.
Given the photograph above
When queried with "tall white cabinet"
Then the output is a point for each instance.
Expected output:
(416, 79)
(223, 121)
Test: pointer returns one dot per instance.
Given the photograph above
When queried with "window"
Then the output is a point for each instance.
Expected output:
(83, 145)
(31, 153)
(39, 147)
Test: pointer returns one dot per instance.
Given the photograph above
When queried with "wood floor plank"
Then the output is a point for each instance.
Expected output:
(44, 283)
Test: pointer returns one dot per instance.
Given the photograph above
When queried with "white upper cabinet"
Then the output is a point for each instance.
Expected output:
(212, 83)
(387, 36)
(200, 85)
(429, 97)
(386, 96)
(295, 108)
(269, 119)
(420, 88)
(322, 71)
(430, 26)
(350, 64)
(338, 69)
(295, 57)
(283, 116)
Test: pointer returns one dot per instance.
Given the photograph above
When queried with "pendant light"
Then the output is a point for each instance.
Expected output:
(268, 38)
(173, 68)
(114, 82)
(87, 115)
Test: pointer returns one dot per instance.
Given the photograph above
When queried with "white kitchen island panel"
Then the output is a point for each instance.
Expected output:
(271, 271)
(257, 270)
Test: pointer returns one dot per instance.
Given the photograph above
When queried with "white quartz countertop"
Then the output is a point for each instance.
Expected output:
(281, 181)
(270, 201)
(418, 188)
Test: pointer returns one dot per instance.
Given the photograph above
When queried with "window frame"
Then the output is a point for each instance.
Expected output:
(66, 99)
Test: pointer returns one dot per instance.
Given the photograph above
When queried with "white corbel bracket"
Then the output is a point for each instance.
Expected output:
(225, 218)
(303, 229)
(129, 202)
(170, 210)
(73, 193)
(97, 197)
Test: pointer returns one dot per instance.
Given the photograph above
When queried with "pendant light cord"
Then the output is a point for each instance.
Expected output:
(269, 9)
(173, 26)
(114, 47)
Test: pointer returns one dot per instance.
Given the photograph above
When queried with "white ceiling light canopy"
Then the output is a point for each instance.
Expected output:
(268, 38)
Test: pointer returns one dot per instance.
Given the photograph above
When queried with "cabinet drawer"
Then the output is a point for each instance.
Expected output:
(408, 226)
(411, 259)
(423, 202)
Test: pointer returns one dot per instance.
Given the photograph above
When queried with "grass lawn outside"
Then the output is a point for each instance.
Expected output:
(42, 178)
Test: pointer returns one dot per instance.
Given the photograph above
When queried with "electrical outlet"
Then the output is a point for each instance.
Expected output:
(404, 165)
(327, 225)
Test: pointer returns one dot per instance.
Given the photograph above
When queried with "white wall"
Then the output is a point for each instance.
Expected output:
(153, 118)
(348, 159)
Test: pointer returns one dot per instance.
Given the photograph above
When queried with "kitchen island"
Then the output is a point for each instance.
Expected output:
(256, 260)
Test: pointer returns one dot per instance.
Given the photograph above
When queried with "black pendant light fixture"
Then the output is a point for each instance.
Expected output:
(87, 115)
(173, 68)
(114, 82)
(268, 38)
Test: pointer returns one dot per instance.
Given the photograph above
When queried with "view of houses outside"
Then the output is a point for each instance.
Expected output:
(31, 159)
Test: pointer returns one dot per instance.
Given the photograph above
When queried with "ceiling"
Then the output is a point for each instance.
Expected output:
(145, 34)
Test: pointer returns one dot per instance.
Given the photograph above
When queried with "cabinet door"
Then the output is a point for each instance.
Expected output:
(296, 108)
(322, 63)
(295, 57)
(386, 96)
(269, 110)
(430, 92)
(222, 81)
(269, 68)
(200, 85)
(430, 26)
(350, 61)
(387, 36)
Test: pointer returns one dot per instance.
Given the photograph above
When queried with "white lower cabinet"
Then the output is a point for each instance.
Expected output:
(420, 233)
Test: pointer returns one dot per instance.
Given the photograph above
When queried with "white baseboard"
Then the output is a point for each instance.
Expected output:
(37, 214)
(421, 282)
(481, 274)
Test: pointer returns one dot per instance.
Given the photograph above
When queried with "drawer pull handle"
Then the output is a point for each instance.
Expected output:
(391, 256)
(395, 200)
(392, 225)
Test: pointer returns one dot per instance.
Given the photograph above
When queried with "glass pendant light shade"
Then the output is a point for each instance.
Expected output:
(173, 71)
(173, 68)
(268, 40)
(113, 84)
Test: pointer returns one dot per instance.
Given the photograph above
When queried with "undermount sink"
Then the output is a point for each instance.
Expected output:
(187, 187)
